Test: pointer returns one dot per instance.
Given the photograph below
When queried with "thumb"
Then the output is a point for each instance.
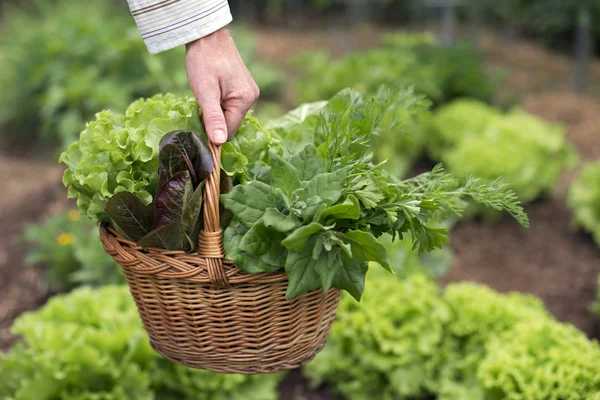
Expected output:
(214, 120)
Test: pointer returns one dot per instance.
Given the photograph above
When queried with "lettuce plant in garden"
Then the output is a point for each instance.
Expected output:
(508, 345)
(388, 346)
(470, 343)
(90, 344)
(473, 138)
(584, 199)
(451, 123)
(306, 195)
(68, 246)
(546, 358)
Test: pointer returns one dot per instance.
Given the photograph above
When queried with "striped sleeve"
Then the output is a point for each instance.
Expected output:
(165, 24)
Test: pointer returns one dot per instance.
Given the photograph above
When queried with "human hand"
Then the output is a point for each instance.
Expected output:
(221, 83)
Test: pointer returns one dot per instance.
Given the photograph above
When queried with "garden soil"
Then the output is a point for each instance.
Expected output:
(31, 191)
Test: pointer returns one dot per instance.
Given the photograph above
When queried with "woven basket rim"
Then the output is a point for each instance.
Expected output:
(176, 264)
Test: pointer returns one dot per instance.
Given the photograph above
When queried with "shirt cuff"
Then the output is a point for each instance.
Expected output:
(192, 27)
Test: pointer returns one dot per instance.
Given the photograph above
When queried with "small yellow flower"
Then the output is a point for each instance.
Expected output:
(65, 239)
(73, 215)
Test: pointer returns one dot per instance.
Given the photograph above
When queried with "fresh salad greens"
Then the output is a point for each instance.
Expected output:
(388, 346)
(584, 199)
(319, 210)
(117, 153)
(306, 194)
(497, 339)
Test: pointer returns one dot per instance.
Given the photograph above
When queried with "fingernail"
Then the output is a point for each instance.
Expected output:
(220, 136)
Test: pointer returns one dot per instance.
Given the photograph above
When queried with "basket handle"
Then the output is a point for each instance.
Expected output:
(210, 244)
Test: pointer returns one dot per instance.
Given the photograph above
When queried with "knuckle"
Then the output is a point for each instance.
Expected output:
(250, 95)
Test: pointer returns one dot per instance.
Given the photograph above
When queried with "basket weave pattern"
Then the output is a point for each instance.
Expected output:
(202, 311)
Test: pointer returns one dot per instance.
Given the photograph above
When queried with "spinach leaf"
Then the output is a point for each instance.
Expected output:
(297, 239)
(284, 175)
(249, 202)
(306, 162)
(328, 265)
(278, 221)
(349, 209)
(328, 187)
(264, 243)
(245, 261)
(365, 247)
(300, 268)
(351, 277)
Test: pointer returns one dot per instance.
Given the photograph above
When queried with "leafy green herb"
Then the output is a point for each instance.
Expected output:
(327, 202)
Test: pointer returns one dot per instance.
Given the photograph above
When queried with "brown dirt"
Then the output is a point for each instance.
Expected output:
(31, 190)
(296, 387)
(534, 69)
(277, 45)
(581, 116)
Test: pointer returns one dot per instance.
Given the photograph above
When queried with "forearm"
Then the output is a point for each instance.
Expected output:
(165, 24)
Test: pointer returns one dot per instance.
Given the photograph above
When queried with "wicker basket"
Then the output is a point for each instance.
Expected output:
(202, 311)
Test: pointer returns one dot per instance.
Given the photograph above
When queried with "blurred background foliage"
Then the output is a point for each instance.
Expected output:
(74, 60)
(67, 244)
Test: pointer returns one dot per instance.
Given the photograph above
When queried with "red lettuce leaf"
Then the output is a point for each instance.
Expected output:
(171, 161)
(170, 199)
(170, 237)
(192, 151)
(225, 216)
(130, 216)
